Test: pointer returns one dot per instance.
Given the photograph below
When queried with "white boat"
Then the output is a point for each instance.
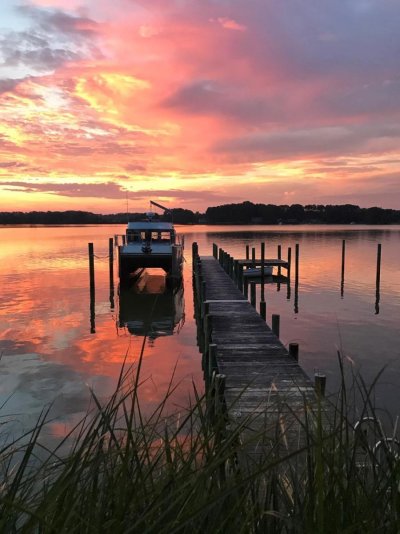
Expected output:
(150, 243)
(256, 271)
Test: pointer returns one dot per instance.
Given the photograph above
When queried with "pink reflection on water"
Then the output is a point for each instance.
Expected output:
(45, 311)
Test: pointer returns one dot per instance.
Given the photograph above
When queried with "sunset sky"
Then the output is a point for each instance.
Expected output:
(197, 103)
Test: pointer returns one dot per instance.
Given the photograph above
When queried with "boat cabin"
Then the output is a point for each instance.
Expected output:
(150, 232)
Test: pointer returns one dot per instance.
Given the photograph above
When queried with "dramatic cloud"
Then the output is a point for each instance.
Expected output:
(235, 100)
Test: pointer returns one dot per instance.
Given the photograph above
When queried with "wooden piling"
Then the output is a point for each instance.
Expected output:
(195, 254)
(378, 265)
(279, 258)
(262, 271)
(236, 271)
(215, 250)
(246, 288)
(240, 278)
(247, 252)
(294, 351)
(378, 278)
(253, 294)
(92, 288)
(111, 269)
(278, 285)
(212, 360)
(296, 280)
(263, 309)
(320, 384)
(253, 256)
(289, 261)
(219, 384)
(203, 291)
(91, 269)
(342, 269)
(276, 324)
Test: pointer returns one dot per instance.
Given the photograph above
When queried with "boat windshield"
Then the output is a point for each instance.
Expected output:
(138, 236)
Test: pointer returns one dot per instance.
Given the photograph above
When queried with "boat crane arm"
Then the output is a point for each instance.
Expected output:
(167, 210)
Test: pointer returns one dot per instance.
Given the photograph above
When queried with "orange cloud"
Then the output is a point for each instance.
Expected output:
(162, 96)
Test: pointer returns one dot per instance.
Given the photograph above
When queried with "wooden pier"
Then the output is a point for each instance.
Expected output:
(257, 380)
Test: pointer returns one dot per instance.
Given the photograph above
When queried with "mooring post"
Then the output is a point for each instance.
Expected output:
(294, 351)
(253, 294)
(378, 266)
(289, 265)
(247, 252)
(203, 291)
(278, 285)
(212, 360)
(207, 331)
(220, 381)
(195, 254)
(92, 288)
(240, 277)
(378, 278)
(279, 258)
(319, 384)
(215, 250)
(253, 257)
(262, 270)
(236, 271)
(263, 309)
(246, 287)
(296, 280)
(206, 308)
(111, 269)
(342, 269)
(276, 324)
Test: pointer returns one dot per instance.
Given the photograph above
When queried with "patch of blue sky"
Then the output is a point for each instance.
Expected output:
(11, 18)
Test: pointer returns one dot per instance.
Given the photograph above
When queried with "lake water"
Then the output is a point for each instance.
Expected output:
(53, 351)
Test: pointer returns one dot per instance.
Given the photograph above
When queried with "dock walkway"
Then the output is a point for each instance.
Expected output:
(261, 378)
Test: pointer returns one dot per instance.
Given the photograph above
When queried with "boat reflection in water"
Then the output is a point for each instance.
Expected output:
(152, 306)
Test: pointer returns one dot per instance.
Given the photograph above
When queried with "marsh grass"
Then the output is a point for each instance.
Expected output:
(178, 473)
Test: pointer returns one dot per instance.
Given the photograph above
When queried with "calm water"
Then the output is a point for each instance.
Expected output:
(52, 352)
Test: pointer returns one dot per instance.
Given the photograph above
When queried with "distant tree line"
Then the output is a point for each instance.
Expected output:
(249, 213)
(243, 213)
(179, 216)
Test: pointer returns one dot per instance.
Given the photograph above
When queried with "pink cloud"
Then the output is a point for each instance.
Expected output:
(231, 24)
(200, 95)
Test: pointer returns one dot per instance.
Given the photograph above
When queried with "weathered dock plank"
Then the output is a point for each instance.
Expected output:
(261, 378)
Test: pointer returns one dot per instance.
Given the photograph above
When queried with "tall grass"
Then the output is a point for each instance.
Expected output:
(178, 473)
